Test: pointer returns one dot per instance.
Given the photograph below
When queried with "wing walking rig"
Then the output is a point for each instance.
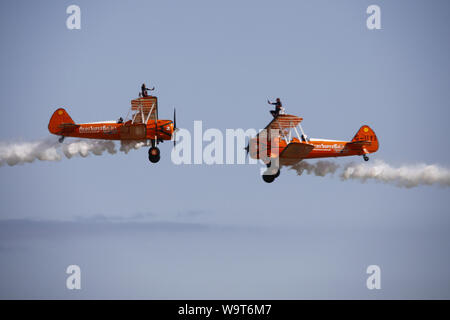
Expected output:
(283, 142)
(142, 124)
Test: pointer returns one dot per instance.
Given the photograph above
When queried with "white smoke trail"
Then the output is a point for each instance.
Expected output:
(85, 147)
(407, 176)
(127, 146)
(51, 150)
(320, 168)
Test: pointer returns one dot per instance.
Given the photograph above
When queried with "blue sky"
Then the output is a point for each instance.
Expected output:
(219, 62)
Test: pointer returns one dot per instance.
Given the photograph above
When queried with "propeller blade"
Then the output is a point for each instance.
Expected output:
(174, 118)
(156, 131)
(174, 127)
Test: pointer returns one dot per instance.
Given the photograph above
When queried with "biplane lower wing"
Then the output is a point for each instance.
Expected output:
(295, 152)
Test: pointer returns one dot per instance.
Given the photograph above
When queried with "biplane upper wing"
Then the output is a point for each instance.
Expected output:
(146, 109)
(280, 123)
(284, 121)
(294, 152)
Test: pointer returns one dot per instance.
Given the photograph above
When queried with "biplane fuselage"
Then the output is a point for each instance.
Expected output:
(144, 125)
(111, 130)
(277, 141)
(322, 148)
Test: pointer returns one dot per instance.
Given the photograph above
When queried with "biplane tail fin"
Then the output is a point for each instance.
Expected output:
(364, 140)
(61, 122)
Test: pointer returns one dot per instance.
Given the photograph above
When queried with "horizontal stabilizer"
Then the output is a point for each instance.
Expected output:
(68, 127)
(358, 144)
(61, 122)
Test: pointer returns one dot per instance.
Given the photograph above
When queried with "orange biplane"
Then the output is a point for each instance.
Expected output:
(143, 125)
(284, 140)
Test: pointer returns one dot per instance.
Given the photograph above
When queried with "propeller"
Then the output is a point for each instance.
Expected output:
(156, 129)
(247, 150)
(174, 127)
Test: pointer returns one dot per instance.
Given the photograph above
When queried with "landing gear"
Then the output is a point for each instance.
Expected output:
(277, 174)
(365, 157)
(154, 154)
(269, 176)
(61, 139)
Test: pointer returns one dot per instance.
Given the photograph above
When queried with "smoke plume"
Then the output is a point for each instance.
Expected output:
(127, 146)
(407, 176)
(51, 150)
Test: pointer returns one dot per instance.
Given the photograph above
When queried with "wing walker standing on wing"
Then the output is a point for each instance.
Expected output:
(143, 125)
(284, 143)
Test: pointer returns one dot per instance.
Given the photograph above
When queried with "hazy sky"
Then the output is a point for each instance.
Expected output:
(141, 230)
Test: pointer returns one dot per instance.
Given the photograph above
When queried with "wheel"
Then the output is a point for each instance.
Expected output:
(61, 139)
(268, 178)
(277, 174)
(154, 154)
(366, 158)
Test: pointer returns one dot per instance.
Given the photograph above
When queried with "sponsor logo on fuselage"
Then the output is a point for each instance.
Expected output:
(328, 147)
(98, 129)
